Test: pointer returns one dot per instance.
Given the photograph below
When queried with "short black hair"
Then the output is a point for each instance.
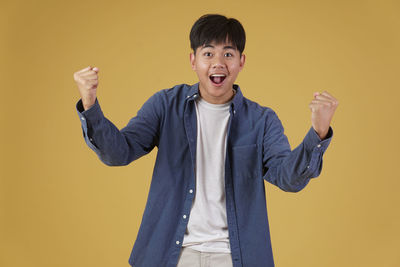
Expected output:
(216, 27)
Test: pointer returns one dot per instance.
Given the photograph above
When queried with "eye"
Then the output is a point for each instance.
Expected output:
(228, 54)
(207, 54)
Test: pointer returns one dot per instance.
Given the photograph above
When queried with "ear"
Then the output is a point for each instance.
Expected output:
(193, 61)
(242, 61)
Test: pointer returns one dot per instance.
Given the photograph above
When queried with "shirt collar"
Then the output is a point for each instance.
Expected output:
(193, 93)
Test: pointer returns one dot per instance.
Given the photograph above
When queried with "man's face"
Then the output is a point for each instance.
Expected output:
(217, 66)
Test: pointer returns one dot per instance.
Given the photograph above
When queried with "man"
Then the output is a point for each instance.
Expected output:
(206, 204)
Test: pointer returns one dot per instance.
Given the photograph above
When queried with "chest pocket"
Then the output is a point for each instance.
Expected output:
(246, 161)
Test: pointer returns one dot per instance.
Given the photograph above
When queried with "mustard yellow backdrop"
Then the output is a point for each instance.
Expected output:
(60, 206)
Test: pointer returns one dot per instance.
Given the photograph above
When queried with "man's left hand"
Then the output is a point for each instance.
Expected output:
(322, 107)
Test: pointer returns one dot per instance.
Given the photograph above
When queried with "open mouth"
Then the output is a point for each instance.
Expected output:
(217, 78)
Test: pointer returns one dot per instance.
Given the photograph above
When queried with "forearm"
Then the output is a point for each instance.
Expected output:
(103, 137)
(292, 170)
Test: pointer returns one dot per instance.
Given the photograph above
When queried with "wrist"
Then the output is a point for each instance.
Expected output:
(87, 104)
(322, 134)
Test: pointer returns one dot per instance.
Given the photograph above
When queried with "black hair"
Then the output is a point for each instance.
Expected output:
(215, 27)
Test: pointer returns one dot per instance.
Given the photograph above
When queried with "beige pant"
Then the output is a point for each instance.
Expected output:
(193, 258)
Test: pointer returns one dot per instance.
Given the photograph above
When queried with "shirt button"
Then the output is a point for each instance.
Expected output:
(90, 139)
(319, 145)
(177, 242)
(184, 216)
(308, 167)
(83, 118)
(191, 191)
(188, 96)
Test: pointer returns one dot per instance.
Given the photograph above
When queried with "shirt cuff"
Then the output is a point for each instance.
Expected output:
(93, 114)
(89, 118)
(312, 140)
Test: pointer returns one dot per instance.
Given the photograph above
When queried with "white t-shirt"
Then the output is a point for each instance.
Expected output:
(207, 229)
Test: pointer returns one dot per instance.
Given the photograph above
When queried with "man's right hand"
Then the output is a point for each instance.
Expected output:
(87, 81)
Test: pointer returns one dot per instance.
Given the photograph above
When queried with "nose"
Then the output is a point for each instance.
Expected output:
(218, 62)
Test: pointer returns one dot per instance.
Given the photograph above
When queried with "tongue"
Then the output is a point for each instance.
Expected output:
(217, 79)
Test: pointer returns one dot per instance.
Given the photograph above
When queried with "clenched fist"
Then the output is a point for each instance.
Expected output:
(87, 81)
(322, 107)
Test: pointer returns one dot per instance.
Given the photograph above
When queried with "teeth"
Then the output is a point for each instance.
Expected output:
(218, 75)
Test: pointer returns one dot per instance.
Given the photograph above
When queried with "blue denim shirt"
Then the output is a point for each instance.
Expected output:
(257, 150)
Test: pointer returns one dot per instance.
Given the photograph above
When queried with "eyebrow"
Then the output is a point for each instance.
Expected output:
(225, 47)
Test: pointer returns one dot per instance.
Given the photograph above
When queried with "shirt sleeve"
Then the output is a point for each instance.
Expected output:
(116, 147)
(291, 170)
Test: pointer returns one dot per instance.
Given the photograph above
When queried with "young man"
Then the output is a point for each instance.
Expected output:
(206, 204)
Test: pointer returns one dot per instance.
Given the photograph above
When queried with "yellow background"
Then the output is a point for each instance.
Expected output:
(60, 206)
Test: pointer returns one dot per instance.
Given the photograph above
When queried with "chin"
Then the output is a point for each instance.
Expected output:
(216, 91)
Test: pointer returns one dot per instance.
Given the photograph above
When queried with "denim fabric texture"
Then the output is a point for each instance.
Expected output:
(257, 150)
